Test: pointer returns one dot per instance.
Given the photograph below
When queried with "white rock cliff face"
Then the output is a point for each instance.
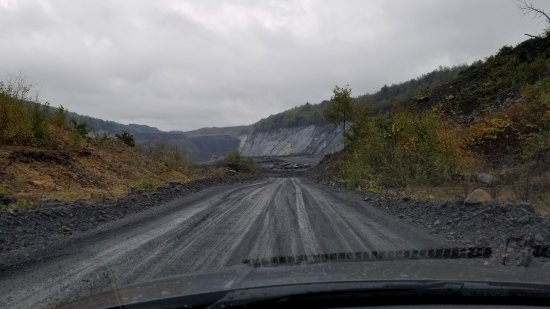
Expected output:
(311, 140)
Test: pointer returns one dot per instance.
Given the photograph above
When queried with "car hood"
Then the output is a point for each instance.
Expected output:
(246, 277)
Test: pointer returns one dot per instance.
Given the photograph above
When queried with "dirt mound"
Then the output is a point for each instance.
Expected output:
(107, 167)
(328, 169)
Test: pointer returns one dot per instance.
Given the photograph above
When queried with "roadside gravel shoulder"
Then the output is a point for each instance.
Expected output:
(512, 227)
(494, 224)
(33, 234)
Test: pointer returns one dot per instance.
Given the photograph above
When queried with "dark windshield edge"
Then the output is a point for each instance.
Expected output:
(351, 293)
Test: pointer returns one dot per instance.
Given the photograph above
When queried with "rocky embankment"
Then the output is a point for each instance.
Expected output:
(311, 140)
(513, 229)
(473, 225)
(502, 226)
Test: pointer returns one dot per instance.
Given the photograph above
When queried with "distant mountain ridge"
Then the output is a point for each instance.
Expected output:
(202, 145)
(299, 130)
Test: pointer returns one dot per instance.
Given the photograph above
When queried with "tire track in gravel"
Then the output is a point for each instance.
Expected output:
(309, 240)
(350, 226)
(276, 217)
(111, 262)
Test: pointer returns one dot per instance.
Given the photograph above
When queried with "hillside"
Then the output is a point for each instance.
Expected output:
(304, 130)
(488, 127)
(235, 131)
(380, 101)
(94, 170)
(201, 145)
(47, 155)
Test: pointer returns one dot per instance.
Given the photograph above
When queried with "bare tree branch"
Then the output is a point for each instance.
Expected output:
(530, 9)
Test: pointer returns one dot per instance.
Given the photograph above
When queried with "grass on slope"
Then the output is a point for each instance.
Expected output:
(44, 155)
(106, 169)
(493, 117)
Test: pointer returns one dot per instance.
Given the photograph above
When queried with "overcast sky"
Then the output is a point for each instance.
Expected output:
(181, 65)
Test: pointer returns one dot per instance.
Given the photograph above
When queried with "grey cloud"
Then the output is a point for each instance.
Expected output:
(187, 64)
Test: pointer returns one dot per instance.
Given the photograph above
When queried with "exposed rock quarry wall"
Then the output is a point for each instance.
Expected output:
(316, 140)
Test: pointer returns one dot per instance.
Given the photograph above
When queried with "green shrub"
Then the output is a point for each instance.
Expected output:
(126, 138)
(536, 122)
(520, 130)
(467, 100)
(240, 164)
(146, 186)
(20, 121)
(98, 138)
(169, 155)
(38, 122)
(24, 122)
(59, 118)
(3, 192)
(21, 204)
(97, 197)
(80, 129)
(404, 148)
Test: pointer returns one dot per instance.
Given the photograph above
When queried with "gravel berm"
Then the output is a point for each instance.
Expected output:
(25, 235)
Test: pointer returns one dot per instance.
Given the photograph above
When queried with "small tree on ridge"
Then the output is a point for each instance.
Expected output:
(340, 108)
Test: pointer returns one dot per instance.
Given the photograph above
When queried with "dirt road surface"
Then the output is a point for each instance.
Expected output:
(208, 231)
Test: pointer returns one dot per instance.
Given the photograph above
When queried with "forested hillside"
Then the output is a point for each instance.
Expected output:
(303, 115)
(388, 96)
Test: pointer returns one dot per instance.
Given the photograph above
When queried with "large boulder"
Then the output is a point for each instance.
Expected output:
(478, 196)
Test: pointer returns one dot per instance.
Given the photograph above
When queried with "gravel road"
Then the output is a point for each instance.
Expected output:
(208, 231)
